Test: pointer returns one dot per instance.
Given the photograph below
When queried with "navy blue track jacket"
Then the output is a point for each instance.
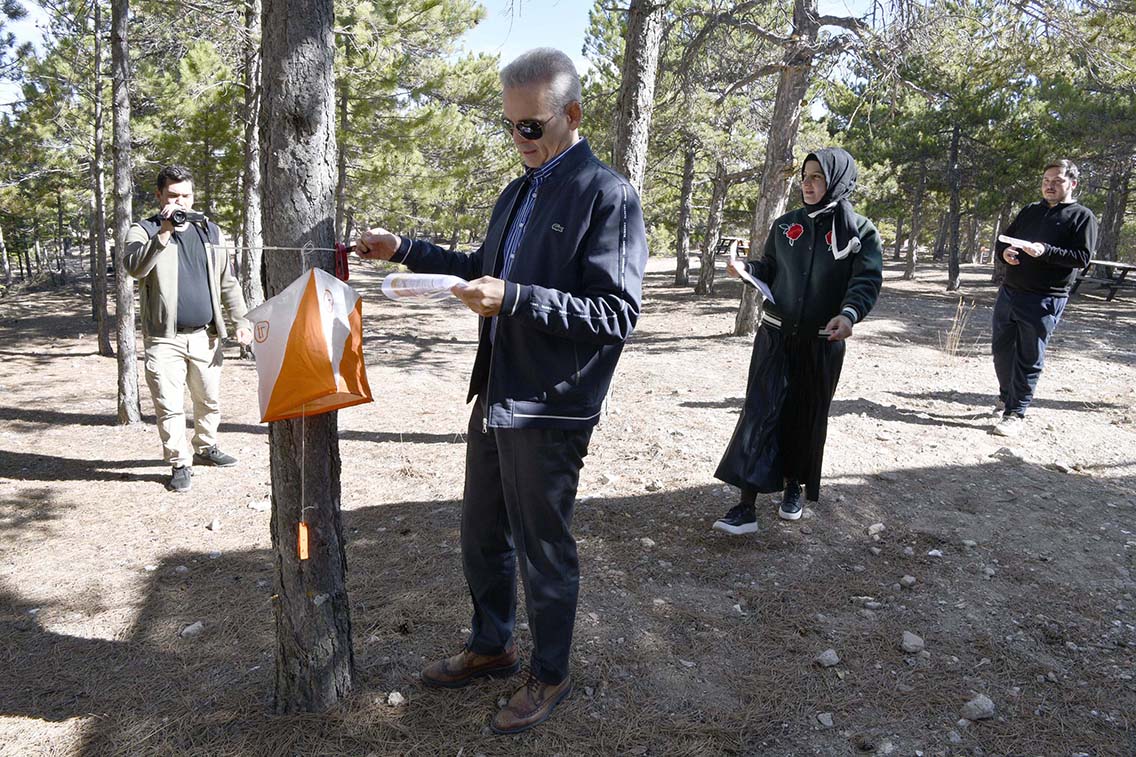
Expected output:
(572, 297)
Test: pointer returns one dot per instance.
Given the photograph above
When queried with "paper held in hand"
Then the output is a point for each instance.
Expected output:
(752, 280)
(420, 286)
(1021, 244)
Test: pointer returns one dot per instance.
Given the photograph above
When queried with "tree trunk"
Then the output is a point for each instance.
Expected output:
(129, 406)
(314, 658)
(98, 200)
(341, 172)
(941, 237)
(61, 247)
(916, 225)
(1115, 207)
(713, 229)
(898, 253)
(682, 239)
(999, 264)
(777, 175)
(252, 252)
(4, 260)
(637, 90)
(955, 174)
(972, 236)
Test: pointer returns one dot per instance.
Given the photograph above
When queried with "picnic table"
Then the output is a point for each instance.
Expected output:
(1106, 274)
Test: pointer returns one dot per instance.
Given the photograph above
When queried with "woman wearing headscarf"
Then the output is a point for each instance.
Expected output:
(824, 266)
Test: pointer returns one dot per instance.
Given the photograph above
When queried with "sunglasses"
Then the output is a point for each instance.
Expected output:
(529, 128)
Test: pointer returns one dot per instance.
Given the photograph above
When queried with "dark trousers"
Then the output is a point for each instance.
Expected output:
(520, 491)
(1023, 323)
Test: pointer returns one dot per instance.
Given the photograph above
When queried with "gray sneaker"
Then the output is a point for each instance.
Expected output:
(214, 456)
(181, 479)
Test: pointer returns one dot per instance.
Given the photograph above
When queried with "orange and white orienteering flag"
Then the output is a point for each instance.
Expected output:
(308, 343)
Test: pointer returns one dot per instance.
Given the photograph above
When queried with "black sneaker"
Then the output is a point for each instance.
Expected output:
(742, 519)
(215, 457)
(791, 501)
(181, 479)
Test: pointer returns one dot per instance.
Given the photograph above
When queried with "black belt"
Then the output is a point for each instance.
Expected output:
(191, 329)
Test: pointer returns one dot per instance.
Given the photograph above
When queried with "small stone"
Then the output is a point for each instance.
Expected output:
(907, 581)
(989, 572)
(953, 737)
(979, 708)
(646, 542)
(963, 723)
(501, 702)
(686, 663)
(214, 555)
(608, 478)
(875, 550)
(589, 692)
(911, 643)
(825, 719)
(806, 530)
(192, 631)
(876, 528)
(908, 552)
(260, 507)
(394, 699)
(214, 525)
(827, 658)
(655, 486)
(887, 476)
(657, 602)
(935, 553)
(181, 570)
(969, 543)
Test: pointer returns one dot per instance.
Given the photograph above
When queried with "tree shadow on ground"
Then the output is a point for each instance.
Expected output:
(696, 643)
(24, 466)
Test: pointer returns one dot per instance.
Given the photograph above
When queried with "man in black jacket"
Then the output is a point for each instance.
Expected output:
(557, 283)
(1055, 238)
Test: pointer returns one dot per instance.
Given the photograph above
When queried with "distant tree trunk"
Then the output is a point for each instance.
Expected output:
(341, 165)
(916, 225)
(637, 89)
(713, 229)
(972, 236)
(38, 252)
(314, 658)
(898, 252)
(940, 248)
(251, 254)
(682, 239)
(777, 175)
(4, 260)
(955, 175)
(61, 247)
(98, 200)
(129, 406)
(1115, 207)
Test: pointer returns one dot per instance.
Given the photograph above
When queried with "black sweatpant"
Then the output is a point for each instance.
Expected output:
(520, 490)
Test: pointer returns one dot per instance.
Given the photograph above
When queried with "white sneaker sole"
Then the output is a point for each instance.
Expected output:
(745, 528)
(790, 516)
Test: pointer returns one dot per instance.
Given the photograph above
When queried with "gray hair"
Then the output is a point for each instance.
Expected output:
(545, 66)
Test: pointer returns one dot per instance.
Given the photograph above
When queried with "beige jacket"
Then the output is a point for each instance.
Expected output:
(156, 266)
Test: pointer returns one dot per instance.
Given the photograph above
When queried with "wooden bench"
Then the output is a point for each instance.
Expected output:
(1106, 274)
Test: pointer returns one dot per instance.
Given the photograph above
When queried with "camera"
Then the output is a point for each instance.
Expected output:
(179, 217)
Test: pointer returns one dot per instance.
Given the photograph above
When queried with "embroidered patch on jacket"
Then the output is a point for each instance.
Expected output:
(557, 227)
(828, 238)
(792, 232)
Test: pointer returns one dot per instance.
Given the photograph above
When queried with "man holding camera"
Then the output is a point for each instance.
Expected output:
(179, 257)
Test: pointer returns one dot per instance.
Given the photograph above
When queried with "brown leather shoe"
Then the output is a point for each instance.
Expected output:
(461, 669)
(530, 705)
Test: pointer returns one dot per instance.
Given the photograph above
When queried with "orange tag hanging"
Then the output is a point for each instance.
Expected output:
(302, 539)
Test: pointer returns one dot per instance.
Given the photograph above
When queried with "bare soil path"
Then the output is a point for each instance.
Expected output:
(688, 642)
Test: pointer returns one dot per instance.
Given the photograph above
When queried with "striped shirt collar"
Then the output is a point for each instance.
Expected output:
(539, 174)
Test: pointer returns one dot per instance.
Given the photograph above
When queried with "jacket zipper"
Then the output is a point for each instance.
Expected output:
(493, 341)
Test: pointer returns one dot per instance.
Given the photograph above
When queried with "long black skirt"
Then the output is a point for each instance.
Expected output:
(784, 422)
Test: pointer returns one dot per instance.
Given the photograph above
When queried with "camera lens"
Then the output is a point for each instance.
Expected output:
(177, 218)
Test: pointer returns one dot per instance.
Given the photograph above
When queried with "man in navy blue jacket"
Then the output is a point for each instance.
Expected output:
(1055, 238)
(557, 283)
